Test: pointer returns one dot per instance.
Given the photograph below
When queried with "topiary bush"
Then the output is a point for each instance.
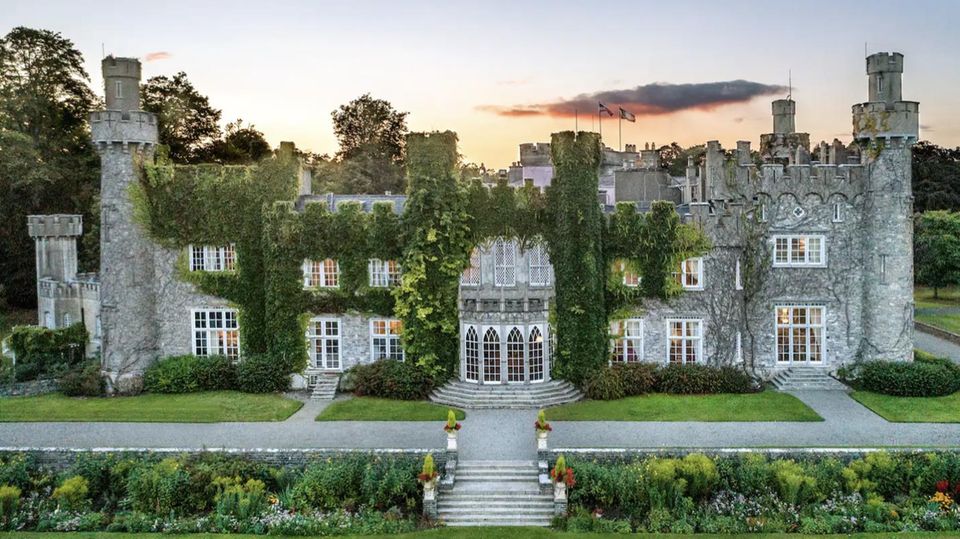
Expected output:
(189, 374)
(703, 379)
(391, 379)
(258, 373)
(917, 379)
(83, 380)
(606, 385)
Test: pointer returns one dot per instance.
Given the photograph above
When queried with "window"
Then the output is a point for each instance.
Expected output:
(540, 270)
(471, 275)
(67, 320)
(472, 355)
(799, 333)
(323, 337)
(690, 276)
(505, 262)
(536, 355)
(627, 342)
(799, 250)
(763, 213)
(98, 329)
(880, 85)
(118, 86)
(491, 355)
(48, 321)
(630, 277)
(216, 333)
(321, 273)
(738, 351)
(212, 258)
(738, 279)
(385, 339)
(515, 353)
(602, 197)
(838, 213)
(383, 273)
(686, 341)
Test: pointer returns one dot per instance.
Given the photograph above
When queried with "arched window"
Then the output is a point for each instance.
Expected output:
(491, 356)
(472, 355)
(515, 355)
(536, 355)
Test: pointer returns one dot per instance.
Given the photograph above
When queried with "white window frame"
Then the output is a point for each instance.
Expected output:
(67, 320)
(691, 280)
(383, 273)
(214, 258)
(686, 341)
(316, 270)
(215, 339)
(391, 339)
(808, 339)
(325, 338)
(626, 334)
(630, 278)
(504, 263)
(738, 352)
(538, 263)
(544, 359)
(473, 275)
(791, 242)
(738, 278)
(837, 212)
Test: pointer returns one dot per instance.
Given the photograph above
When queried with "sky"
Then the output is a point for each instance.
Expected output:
(504, 73)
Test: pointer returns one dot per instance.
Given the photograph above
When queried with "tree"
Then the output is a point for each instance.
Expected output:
(370, 126)
(186, 121)
(936, 177)
(936, 250)
(239, 146)
(47, 163)
(674, 158)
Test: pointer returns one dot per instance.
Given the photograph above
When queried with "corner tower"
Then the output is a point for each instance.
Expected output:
(885, 128)
(125, 138)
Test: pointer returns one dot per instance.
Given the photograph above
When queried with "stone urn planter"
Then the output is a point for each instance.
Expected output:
(559, 491)
(543, 430)
(542, 440)
(452, 428)
(452, 440)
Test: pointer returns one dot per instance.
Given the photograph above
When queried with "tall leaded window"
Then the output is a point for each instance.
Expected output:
(216, 332)
(690, 275)
(515, 346)
(685, 340)
(627, 342)
(383, 273)
(504, 262)
(471, 275)
(491, 355)
(540, 269)
(385, 339)
(321, 273)
(212, 258)
(799, 250)
(799, 333)
(324, 343)
(536, 355)
(472, 355)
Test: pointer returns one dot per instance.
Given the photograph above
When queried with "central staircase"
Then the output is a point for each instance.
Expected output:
(479, 396)
(495, 493)
(326, 387)
(806, 378)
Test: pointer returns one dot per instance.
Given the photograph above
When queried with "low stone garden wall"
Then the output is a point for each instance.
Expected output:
(28, 389)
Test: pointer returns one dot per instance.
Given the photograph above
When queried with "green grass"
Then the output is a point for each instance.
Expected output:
(373, 409)
(765, 406)
(481, 533)
(949, 322)
(209, 407)
(912, 409)
(948, 297)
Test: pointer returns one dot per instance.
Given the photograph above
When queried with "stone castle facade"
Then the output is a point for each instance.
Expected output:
(811, 261)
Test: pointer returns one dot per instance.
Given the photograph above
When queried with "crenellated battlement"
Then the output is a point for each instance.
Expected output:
(123, 127)
(54, 226)
(899, 119)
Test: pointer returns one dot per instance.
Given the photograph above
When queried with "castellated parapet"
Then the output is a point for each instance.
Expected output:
(121, 81)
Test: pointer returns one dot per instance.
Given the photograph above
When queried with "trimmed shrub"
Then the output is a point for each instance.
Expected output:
(702, 379)
(262, 373)
(607, 384)
(189, 374)
(917, 379)
(83, 381)
(391, 379)
(637, 378)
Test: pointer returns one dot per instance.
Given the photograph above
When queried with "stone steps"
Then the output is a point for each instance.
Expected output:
(326, 387)
(495, 493)
(806, 378)
(476, 396)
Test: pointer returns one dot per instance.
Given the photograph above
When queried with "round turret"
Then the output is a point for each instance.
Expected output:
(784, 116)
(885, 72)
(121, 79)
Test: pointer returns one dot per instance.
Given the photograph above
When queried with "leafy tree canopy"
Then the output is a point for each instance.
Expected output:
(937, 249)
(240, 145)
(186, 120)
(936, 177)
(372, 127)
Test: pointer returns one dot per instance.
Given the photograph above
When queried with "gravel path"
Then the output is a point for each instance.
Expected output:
(936, 345)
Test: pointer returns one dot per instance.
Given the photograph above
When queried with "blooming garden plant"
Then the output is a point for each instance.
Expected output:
(541, 423)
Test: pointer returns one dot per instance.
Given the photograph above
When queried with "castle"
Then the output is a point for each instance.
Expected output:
(819, 275)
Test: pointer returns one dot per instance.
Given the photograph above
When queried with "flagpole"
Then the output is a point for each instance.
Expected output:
(575, 121)
(600, 122)
(620, 129)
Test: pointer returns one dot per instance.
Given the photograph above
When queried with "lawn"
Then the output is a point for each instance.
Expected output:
(947, 321)
(372, 409)
(765, 406)
(948, 297)
(481, 533)
(209, 407)
(912, 409)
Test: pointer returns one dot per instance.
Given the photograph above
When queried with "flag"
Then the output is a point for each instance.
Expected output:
(628, 116)
(603, 108)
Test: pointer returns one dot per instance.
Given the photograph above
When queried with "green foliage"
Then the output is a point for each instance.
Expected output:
(242, 500)
(700, 474)
(936, 177)
(350, 482)
(936, 251)
(185, 119)
(917, 379)
(793, 485)
(262, 373)
(451, 420)
(189, 374)
(429, 471)
(575, 247)
(606, 384)
(371, 136)
(240, 145)
(637, 378)
(437, 249)
(161, 488)
(391, 379)
(72, 493)
(83, 380)
(42, 352)
(629, 379)
(9, 502)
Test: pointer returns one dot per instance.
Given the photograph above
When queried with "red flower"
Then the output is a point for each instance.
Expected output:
(569, 480)
(942, 486)
(542, 426)
(448, 428)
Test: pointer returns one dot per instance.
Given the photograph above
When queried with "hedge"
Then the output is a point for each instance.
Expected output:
(43, 352)
(390, 379)
(924, 378)
(189, 374)
(628, 379)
